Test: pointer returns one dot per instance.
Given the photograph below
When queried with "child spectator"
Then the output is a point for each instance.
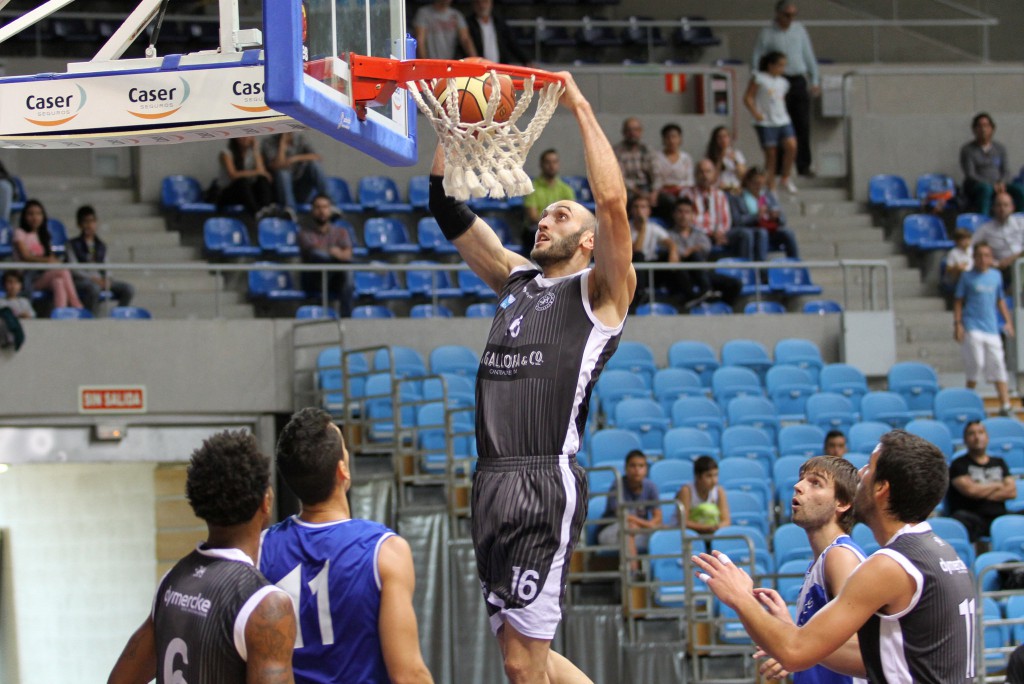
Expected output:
(705, 502)
(32, 244)
(975, 327)
(19, 305)
(957, 261)
(87, 248)
(731, 163)
(636, 486)
(766, 100)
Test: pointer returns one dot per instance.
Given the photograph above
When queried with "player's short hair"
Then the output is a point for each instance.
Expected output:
(635, 453)
(308, 453)
(979, 116)
(84, 212)
(704, 464)
(917, 474)
(227, 479)
(843, 476)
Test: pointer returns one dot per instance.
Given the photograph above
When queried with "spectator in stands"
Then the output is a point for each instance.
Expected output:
(673, 171)
(765, 98)
(6, 193)
(244, 178)
(32, 244)
(713, 217)
(801, 71)
(978, 295)
(636, 487)
(757, 209)
(87, 248)
(691, 245)
(634, 158)
(651, 242)
(439, 30)
(729, 162)
(979, 484)
(296, 168)
(835, 443)
(957, 261)
(19, 305)
(986, 168)
(491, 36)
(324, 242)
(548, 188)
(705, 502)
(1004, 234)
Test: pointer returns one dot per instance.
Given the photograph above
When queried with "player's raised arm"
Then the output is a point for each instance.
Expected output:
(477, 243)
(614, 280)
(137, 664)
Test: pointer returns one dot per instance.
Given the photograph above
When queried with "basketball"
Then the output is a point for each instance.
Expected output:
(473, 94)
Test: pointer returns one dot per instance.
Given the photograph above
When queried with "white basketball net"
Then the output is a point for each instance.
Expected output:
(486, 158)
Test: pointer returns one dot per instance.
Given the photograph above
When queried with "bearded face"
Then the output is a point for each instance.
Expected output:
(548, 251)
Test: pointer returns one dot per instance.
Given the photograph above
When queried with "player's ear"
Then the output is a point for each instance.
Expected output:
(268, 501)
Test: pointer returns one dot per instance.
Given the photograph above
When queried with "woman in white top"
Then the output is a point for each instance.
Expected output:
(731, 163)
(766, 100)
(673, 171)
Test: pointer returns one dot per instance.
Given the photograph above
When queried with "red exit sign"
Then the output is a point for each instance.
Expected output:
(112, 399)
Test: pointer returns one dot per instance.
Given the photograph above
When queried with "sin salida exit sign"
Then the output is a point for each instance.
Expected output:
(111, 399)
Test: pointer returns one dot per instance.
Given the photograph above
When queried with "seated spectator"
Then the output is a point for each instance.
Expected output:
(651, 242)
(245, 179)
(705, 502)
(296, 168)
(1004, 234)
(548, 188)
(729, 162)
(979, 484)
(326, 243)
(986, 168)
(673, 171)
(757, 209)
(636, 487)
(634, 158)
(440, 30)
(19, 305)
(713, 216)
(957, 261)
(691, 245)
(491, 35)
(87, 248)
(32, 244)
(835, 443)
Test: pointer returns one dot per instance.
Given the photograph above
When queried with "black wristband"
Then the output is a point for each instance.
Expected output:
(453, 216)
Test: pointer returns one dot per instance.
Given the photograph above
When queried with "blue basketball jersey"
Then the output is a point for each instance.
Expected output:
(330, 571)
(813, 597)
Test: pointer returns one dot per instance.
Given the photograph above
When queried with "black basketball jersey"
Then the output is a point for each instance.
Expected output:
(544, 353)
(200, 611)
(933, 640)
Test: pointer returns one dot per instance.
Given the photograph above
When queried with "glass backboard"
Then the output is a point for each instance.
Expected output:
(306, 44)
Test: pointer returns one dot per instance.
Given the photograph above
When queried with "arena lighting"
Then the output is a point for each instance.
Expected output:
(109, 432)
(4, 468)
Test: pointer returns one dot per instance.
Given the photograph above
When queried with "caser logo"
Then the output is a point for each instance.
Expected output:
(250, 95)
(157, 102)
(53, 109)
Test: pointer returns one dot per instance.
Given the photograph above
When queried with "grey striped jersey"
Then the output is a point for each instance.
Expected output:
(199, 613)
(932, 640)
(544, 353)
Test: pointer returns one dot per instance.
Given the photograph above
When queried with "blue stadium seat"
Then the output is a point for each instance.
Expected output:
(372, 311)
(696, 356)
(184, 194)
(433, 437)
(748, 354)
(670, 475)
(456, 391)
(667, 568)
(935, 432)
(789, 388)
(1007, 533)
(647, 419)
(656, 309)
(387, 235)
(274, 285)
(382, 286)
(1015, 611)
(419, 192)
(764, 307)
(857, 460)
(615, 385)
(377, 406)
(865, 538)
(891, 192)
(473, 285)
(925, 232)
(1006, 440)
(278, 237)
(830, 411)
(595, 512)
(885, 407)
(581, 186)
(610, 446)
(672, 383)
(687, 444)
(801, 440)
(729, 382)
(786, 473)
(801, 353)
(6, 248)
(822, 307)
(957, 406)
(227, 238)
(956, 535)
(341, 196)
(711, 309)
(690, 36)
(358, 251)
(635, 357)
(69, 313)
(130, 313)
(731, 266)
(431, 239)
(59, 236)
(746, 510)
(984, 572)
(431, 311)
(931, 184)
(430, 283)
(405, 362)
(996, 636)
(700, 413)
(917, 383)
(791, 281)
(758, 412)
(863, 436)
(743, 442)
(970, 221)
(315, 312)
(733, 541)
(380, 194)
(481, 310)
(844, 379)
(454, 358)
(791, 545)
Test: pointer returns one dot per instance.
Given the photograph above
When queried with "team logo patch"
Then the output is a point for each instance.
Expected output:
(516, 326)
(200, 571)
(507, 301)
(545, 302)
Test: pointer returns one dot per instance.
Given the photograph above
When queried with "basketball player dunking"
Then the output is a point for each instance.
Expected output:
(555, 328)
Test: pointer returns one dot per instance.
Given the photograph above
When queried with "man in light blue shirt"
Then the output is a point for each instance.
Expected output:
(791, 39)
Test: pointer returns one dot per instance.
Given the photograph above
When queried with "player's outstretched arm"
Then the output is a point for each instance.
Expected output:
(614, 280)
(478, 245)
(137, 663)
(399, 638)
(270, 640)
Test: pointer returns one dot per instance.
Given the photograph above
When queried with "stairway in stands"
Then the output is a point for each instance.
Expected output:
(136, 233)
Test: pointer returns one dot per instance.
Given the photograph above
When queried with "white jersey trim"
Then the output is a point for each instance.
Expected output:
(915, 575)
(611, 331)
(376, 556)
(231, 554)
(894, 658)
(242, 619)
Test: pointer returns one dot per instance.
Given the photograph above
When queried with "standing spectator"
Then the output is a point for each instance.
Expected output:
(957, 261)
(19, 305)
(244, 177)
(691, 245)
(492, 38)
(87, 248)
(975, 327)
(705, 501)
(634, 158)
(986, 168)
(765, 100)
(326, 243)
(296, 168)
(979, 484)
(835, 443)
(1004, 234)
(32, 244)
(548, 188)
(636, 487)
(713, 217)
(790, 38)
(730, 162)
(757, 209)
(439, 29)
(673, 171)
